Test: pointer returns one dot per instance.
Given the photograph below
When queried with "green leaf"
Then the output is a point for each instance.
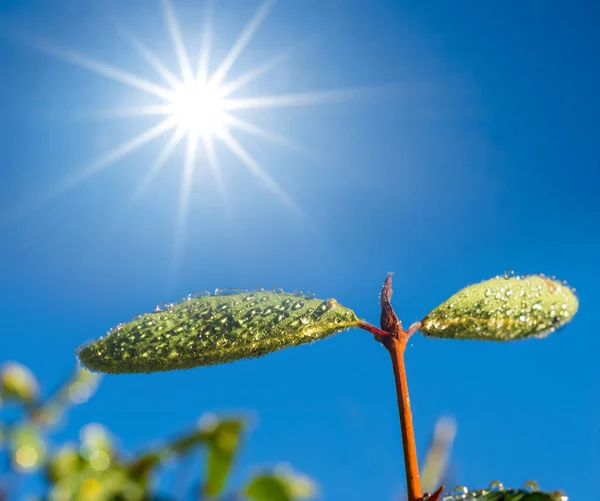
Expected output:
(215, 329)
(268, 488)
(78, 388)
(223, 442)
(28, 448)
(17, 382)
(435, 466)
(282, 484)
(506, 495)
(503, 309)
(202, 435)
(64, 463)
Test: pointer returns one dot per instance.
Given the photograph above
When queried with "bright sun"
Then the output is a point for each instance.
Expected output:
(198, 109)
(193, 104)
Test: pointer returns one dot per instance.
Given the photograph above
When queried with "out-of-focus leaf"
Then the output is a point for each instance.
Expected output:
(223, 443)
(299, 485)
(268, 488)
(28, 448)
(18, 382)
(503, 309)
(141, 466)
(78, 388)
(215, 329)
(64, 463)
(436, 461)
(96, 439)
(281, 484)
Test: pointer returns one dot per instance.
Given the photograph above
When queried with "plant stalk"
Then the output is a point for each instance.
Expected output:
(395, 344)
(396, 349)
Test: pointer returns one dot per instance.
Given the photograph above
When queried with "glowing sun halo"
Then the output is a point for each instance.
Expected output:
(194, 105)
(198, 109)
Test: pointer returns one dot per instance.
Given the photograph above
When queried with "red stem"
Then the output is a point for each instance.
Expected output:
(394, 338)
(372, 329)
(396, 349)
(395, 343)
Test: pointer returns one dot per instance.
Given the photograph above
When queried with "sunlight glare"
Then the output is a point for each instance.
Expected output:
(198, 108)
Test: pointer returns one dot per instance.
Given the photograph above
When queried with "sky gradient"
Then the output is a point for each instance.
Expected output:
(472, 148)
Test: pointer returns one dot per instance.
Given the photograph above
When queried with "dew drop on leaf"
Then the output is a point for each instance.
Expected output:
(496, 486)
(215, 329)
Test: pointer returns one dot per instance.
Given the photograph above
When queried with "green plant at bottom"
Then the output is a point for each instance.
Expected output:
(206, 329)
(94, 469)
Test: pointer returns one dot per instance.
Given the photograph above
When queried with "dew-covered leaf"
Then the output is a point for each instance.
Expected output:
(503, 309)
(501, 494)
(215, 329)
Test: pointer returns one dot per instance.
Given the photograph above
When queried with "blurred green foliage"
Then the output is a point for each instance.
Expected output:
(95, 470)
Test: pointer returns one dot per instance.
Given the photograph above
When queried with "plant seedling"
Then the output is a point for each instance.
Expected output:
(208, 329)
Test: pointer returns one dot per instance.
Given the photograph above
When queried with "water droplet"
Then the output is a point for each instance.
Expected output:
(311, 294)
(460, 492)
(496, 486)
(508, 274)
(278, 290)
(195, 295)
(559, 496)
(531, 486)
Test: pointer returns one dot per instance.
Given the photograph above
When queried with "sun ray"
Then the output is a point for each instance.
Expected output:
(177, 40)
(196, 105)
(254, 73)
(184, 197)
(205, 46)
(101, 68)
(291, 100)
(158, 164)
(257, 170)
(112, 156)
(170, 79)
(134, 111)
(213, 163)
(91, 169)
(241, 42)
(256, 130)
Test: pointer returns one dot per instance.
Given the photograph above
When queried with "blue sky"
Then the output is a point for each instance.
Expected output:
(472, 149)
